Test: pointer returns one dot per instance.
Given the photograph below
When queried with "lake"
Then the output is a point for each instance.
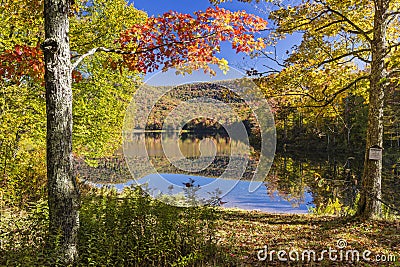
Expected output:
(238, 197)
(296, 182)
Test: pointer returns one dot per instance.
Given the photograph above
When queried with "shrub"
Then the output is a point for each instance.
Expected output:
(117, 229)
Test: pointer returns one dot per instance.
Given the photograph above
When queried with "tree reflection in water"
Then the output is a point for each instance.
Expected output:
(328, 177)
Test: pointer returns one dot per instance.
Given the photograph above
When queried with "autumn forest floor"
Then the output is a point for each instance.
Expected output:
(245, 233)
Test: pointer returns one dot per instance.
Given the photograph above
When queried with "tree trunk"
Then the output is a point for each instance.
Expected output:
(62, 190)
(369, 205)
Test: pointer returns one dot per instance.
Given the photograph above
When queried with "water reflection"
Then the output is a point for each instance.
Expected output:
(296, 179)
(238, 197)
(189, 144)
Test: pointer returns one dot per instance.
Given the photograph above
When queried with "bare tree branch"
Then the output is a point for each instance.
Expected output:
(329, 24)
(352, 53)
(309, 20)
(346, 19)
(82, 57)
(328, 99)
(271, 69)
(357, 32)
(393, 73)
(394, 13)
(274, 59)
(390, 47)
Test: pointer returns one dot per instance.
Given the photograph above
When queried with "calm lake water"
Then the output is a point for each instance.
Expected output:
(295, 182)
(239, 196)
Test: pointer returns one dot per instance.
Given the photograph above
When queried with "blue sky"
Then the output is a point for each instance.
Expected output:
(155, 7)
(239, 61)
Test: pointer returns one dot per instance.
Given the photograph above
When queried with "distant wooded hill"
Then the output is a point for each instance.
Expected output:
(198, 107)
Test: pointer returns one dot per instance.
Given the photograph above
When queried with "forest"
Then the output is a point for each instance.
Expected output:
(294, 159)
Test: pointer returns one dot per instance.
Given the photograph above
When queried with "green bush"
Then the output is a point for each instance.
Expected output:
(133, 229)
(117, 229)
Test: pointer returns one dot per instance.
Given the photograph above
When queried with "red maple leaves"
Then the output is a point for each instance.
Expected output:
(27, 62)
(22, 61)
(179, 40)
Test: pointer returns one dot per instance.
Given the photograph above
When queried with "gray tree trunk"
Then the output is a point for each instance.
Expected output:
(369, 205)
(62, 190)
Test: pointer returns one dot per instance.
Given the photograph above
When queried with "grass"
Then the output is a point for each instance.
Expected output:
(139, 231)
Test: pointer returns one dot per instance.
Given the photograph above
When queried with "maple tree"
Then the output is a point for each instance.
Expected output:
(172, 40)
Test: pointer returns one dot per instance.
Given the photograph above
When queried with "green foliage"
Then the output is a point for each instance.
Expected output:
(22, 113)
(100, 22)
(331, 65)
(22, 110)
(23, 235)
(22, 134)
(388, 213)
(99, 107)
(333, 207)
(101, 97)
(339, 128)
(336, 207)
(127, 229)
(21, 23)
(144, 232)
(132, 229)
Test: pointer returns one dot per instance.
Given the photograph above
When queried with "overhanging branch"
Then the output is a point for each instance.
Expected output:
(393, 73)
(329, 24)
(349, 21)
(135, 52)
(274, 59)
(394, 13)
(327, 99)
(352, 53)
(308, 21)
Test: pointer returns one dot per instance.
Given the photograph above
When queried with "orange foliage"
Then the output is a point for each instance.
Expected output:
(176, 40)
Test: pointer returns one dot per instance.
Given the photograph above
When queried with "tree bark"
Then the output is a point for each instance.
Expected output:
(63, 195)
(369, 205)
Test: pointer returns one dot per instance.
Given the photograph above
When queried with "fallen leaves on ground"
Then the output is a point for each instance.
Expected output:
(242, 234)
